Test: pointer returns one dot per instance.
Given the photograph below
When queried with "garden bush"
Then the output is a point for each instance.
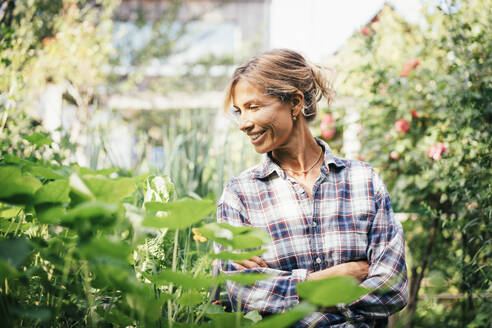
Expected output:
(426, 116)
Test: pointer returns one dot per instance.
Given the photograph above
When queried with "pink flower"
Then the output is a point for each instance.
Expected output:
(415, 113)
(394, 155)
(402, 126)
(327, 126)
(409, 66)
(364, 31)
(328, 133)
(48, 40)
(382, 89)
(327, 119)
(436, 151)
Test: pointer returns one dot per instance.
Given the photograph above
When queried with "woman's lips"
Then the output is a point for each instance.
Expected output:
(257, 137)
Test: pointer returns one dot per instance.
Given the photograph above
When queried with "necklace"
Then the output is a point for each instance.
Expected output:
(310, 168)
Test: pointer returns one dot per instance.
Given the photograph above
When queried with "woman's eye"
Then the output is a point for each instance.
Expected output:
(235, 112)
(254, 107)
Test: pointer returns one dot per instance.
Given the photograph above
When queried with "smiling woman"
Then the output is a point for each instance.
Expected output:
(326, 215)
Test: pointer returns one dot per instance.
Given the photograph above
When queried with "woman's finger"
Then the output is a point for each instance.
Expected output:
(238, 266)
(249, 264)
(259, 261)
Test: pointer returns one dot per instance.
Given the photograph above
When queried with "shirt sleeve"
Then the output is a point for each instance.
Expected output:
(387, 272)
(272, 295)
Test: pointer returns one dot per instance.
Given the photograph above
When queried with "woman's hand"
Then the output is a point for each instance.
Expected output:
(254, 262)
(359, 270)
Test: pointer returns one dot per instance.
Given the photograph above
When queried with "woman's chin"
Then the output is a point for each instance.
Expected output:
(260, 150)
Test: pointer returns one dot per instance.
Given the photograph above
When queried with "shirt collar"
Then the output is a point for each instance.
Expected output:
(267, 166)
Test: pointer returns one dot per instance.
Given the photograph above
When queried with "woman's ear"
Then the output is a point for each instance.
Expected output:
(297, 103)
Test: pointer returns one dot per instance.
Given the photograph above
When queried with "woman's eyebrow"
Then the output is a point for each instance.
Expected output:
(252, 101)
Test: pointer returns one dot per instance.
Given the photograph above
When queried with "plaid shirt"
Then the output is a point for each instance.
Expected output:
(349, 218)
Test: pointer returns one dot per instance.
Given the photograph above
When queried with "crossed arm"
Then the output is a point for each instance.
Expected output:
(357, 269)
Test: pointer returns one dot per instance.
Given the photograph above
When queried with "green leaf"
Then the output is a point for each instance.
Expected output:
(158, 188)
(87, 171)
(228, 320)
(49, 213)
(14, 251)
(115, 316)
(113, 274)
(191, 298)
(15, 188)
(211, 308)
(7, 271)
(236, 237)
(237, 256)
(191, 282)
(180, 215)
(39, 139)
(108, 190)
(288, 318)
(243, 278)
(8, 225)
(8, 212)
(102, 247)
(47, 172)
(99, 214)
(32, 313)
(254, 316)
(53, 192)
(8, 173)
(181, 279)
(147, 303)
(331, 291)
(79, 187)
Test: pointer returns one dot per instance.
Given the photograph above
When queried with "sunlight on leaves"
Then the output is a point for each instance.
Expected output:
(180, 214)
(331, 291)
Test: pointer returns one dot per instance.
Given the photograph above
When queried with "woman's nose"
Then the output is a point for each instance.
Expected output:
(244, 122)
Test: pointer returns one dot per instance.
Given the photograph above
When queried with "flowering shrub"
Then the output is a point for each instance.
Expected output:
(427, 129)
(402, 126)
(327, 126)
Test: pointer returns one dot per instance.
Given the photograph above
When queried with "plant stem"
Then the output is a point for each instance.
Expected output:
(4, 120)
(66, 270)
(173, 268)
(87, 289)
(416, 281)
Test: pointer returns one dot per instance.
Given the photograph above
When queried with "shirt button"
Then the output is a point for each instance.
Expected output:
(314, 224)
(318, 260)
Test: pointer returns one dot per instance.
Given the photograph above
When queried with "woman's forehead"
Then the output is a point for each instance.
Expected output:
(245, 91)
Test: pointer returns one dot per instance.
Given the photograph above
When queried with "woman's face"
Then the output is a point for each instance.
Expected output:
(264, 118)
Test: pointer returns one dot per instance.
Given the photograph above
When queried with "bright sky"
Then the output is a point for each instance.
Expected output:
(318, 27)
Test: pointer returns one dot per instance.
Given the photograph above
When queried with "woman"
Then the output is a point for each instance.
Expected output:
(326, 215)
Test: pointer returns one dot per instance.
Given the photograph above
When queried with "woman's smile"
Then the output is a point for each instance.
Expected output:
(256, 137)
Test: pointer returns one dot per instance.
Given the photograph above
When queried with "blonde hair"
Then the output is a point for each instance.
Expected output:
(282, 73)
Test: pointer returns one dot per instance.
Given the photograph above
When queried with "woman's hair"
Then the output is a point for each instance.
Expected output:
(282, 73)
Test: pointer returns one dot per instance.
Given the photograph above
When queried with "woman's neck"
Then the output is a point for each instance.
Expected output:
(300, 153)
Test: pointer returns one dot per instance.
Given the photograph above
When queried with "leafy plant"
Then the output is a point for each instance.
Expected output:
(426, 128)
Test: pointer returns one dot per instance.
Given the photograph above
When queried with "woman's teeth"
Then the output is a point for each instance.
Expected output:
(255, 136)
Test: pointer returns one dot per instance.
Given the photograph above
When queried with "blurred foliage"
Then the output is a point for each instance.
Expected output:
(81, 248)
(426, 114)
(46, 43)
(200, 163)
(84, 247)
